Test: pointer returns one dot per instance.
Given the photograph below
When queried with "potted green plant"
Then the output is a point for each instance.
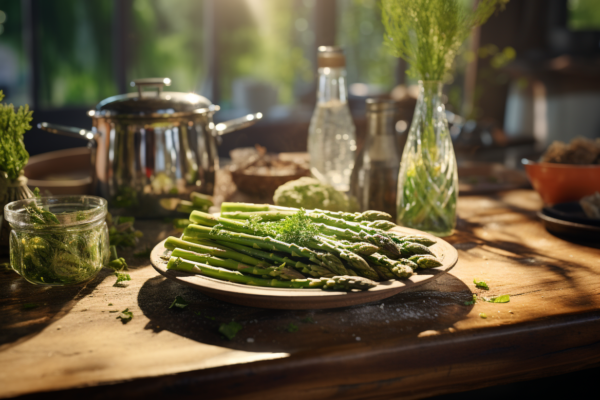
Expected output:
(13, 158)
(428, 34)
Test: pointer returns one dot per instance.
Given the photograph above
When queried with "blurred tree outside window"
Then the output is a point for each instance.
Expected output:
(167, 40)
(371, 69)
(584, 15)
(264, 51)
(14, 70)
(75, 52)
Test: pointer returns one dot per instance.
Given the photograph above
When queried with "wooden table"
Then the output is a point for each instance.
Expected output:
(416, 344)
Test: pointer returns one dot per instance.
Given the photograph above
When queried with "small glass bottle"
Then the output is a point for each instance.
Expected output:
(375, 175)
(331, 135)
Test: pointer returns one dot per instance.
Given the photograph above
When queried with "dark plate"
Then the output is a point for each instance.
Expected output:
(569, 219)
(570, 212)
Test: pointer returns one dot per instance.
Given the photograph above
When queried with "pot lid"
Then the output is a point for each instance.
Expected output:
(153, 104)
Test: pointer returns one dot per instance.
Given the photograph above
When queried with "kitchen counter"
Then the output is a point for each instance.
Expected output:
(417, 344)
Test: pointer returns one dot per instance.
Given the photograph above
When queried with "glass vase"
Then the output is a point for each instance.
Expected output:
(428, 180)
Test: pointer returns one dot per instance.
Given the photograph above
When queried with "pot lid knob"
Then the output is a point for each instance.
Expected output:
(156, 82)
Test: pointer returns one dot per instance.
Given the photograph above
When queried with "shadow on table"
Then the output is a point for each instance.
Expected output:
(435, 306)
(26, 309)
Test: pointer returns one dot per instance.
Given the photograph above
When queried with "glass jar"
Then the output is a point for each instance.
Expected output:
(67, 249)
(428, 179)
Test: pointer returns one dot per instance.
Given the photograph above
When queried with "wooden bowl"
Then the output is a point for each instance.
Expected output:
(61, 172)
(562, 183)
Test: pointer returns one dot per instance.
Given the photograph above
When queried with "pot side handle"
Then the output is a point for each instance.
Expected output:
(235, 124)
(78, 133)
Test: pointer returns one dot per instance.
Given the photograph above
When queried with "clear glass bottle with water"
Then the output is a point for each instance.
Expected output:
(331, 135)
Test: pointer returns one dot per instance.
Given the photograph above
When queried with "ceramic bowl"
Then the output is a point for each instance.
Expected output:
(561, 183)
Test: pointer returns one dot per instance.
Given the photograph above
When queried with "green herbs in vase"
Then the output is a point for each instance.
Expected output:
(428, 34)
(13, 158)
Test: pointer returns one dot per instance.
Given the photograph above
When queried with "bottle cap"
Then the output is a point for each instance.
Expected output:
(331, 56)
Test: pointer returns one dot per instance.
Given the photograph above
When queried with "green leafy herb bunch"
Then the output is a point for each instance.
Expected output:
(428, 33)
(13, 124)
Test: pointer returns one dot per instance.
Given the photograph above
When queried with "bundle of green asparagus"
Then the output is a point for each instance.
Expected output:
(282, 247)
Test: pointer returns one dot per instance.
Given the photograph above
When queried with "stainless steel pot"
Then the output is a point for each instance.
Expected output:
(152, 148)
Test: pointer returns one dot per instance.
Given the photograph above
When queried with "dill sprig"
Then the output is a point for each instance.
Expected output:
(428, 33)
(13, 156)
(297, 228)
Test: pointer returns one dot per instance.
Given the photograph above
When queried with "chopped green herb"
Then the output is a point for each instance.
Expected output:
(471, 302)
(113, 311)
(481, 284)
(50, 254)
(144, 253)
(118, 265)
(308, 320)
(110, 304)
(505, 298)
(13, 125)
(292, 328)
(36, 193)
(122, 277)
(29, 306)
(297, 228)
(121, 232)
(125, 316)
(230, 329)
(482, 315)
(179, 303)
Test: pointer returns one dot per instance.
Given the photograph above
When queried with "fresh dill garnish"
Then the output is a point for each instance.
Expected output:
(121, 277)
(499, 299)
(125, 316)
(297, 228)
(471, 302)
(292, 328)
(230, 330)
(179, 303)
(481, 284)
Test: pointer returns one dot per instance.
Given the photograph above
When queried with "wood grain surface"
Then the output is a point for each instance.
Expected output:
(419, 343)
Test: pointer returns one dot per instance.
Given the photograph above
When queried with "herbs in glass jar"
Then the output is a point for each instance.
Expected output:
(60, 240)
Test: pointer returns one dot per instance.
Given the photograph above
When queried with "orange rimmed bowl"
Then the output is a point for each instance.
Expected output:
(561, 183)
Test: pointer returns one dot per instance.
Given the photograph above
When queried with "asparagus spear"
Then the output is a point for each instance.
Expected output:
(314, 270)
(408, 249)
(400, 268)
(384, 273)
(327, 260)
(425, 261)
(172, 242)
(281, 272)
(201, 200)
(187, 207)
(370, 215)
(425, 241)
(379, 224)
(249, 207)
(355, 262)
(345, 283)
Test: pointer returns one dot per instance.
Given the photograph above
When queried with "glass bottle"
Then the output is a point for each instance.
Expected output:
(331, 135)
(428, 179)
(375, 175)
